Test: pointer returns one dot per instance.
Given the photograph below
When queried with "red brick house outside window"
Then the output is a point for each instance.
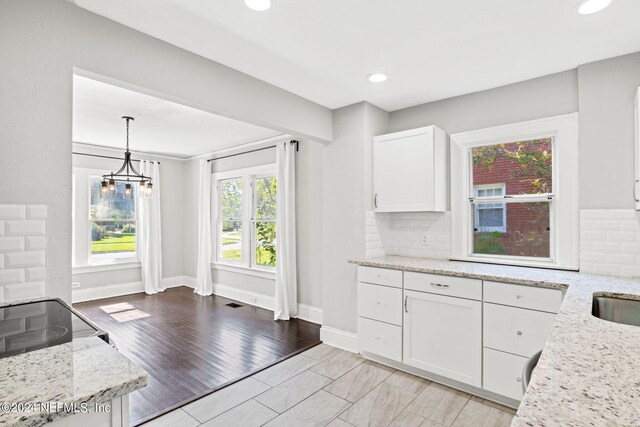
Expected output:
(512, 169)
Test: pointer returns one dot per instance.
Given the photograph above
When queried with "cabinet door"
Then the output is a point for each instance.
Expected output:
(443, 335)
(401, 172)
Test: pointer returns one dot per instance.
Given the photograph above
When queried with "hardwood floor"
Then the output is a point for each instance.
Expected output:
(191, 345)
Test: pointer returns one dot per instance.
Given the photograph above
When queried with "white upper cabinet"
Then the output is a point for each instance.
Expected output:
(410, 171)
(636, 184)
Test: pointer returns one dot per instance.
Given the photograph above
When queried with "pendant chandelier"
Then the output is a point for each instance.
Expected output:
(127, 174)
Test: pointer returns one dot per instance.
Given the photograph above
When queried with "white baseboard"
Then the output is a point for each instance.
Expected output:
(305, 312)
(120, 289)
(339, 338)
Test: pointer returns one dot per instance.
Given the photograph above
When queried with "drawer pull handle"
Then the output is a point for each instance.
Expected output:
(440, 285)
(519, 332)
(405, 303)
(519, 379)
(518, 296)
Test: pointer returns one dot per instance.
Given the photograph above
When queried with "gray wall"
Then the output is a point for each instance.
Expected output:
(532, 99)
(606, 92)
(41, 41)
(344, 203)
(172, 205)
(309, 182)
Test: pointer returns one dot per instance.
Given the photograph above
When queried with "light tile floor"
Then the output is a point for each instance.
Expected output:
(326, 386)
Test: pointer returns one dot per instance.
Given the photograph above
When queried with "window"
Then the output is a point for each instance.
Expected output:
(514, 193)
(246, 217)
(112, 223)
(104, 226)
(490, 216)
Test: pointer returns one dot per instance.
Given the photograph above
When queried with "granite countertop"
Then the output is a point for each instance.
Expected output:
(589, 370)
(86, 370)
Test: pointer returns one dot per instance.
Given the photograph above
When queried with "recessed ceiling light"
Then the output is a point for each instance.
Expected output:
(377, 77)
(258, 5)
(587, 7)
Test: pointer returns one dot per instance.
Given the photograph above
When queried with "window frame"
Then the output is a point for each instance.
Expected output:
(82, 257)
(503, 187)
(248, 237)
(564, 213)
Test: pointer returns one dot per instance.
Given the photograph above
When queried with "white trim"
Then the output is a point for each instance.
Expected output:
(339, 338)
(100, 292)
(565, 210)
(305, 312)
(310, 314)
(242, 269)
(120, 289)
(98, 268)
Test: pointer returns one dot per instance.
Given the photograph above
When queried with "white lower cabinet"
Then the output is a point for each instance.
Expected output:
(475, 332)
(503, 373)
(443, 335)
(380, 338)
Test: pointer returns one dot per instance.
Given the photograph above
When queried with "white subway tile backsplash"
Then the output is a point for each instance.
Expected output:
(36, 212)
(23, 292)
(10, 212)
(401, 234)
(35, 274)
(25, 228)
(36, 243)
(11, 244)
(610, 242)
(24, 259)
(22, 252)
(12, 276)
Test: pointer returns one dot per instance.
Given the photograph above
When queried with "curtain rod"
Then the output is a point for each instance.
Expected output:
(293, 141)
(104, 157)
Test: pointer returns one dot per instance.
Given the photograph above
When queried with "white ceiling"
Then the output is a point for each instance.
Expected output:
(431, 49)
(160, 126)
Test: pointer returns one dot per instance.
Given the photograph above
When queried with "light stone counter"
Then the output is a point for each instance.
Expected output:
(589, 371)
(86, 370)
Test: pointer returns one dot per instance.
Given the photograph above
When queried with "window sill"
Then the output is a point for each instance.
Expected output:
(241, 269)
(550, 265)
(97, 268)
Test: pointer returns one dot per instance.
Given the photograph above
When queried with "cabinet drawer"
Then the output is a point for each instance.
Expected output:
(444, 285)
(503, 373)
(380, 338)
(544, 299)
(516, 330)
(380, 276)
(380, 303)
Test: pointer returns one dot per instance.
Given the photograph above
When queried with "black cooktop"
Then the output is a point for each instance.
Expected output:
(39, 324)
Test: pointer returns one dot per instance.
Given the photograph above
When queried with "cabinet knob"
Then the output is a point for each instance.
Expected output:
(518, 296)
(378, 302)
(519, 332)
(519, 379)
(378, 338)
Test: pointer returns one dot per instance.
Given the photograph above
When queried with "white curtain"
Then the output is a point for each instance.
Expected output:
(286, 300)
(149, 232)
(204, 285)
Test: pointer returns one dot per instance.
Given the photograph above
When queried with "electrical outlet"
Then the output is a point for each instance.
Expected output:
(424, 239)
(75, 284)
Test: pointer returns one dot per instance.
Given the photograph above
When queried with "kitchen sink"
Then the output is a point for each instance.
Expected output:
(620, 309)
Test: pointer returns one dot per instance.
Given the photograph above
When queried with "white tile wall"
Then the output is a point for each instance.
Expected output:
(400, 234)
(610, 242)
(22, 251)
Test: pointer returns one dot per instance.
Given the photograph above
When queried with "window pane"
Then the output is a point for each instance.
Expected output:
(232, 240)
(524, 166)
(111, 205)
(266, 197)
(231, 199)
(526, 232)
(266, 243)
(489, 217)
(109, 237)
